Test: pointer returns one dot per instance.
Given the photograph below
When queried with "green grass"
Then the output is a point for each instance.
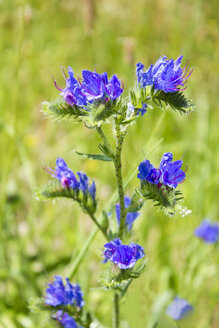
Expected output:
(40, 239)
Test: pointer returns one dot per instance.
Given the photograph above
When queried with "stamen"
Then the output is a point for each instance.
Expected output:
(56, 85)
(48, 170)
(63, 72)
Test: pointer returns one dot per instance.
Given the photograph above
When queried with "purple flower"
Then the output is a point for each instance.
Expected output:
(169, 173)
(92, 88)
(123, 256)
(148, 172)
(165, 74)
(65, 175)
(178, 309)
(144, 169)
(144, 78)
(92, 190)
(172, 174)
(208, 231)
(154, 176)
(167, 158)
(59, 294)
(72, 93)
(83, 179)
(130, 216)
(65, 320)
(69, 180)
(113, 88)
(142, 110)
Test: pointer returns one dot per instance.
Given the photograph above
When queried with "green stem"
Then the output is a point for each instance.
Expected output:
(118, 169)
(116, 311)
(104, 138)
(98, 225)
(73, 268)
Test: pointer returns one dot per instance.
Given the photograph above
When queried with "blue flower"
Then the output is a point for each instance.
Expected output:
(65, 320)
(169, 173)
(113, 88)
(59, 294)
(167, 158)
(69, 180)
(144, 78)
(92, 190)
(142, 110)
(72, 93)
(165, 74)
(144, 169)
(83, 179)
(178, 309)
(154, 176)
(172, 174)
(123, 256)
(65, 175)
(148, 172)
(130, 216)
(208, 231)
(93, 88)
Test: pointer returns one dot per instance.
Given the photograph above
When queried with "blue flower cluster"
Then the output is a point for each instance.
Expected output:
(69, 180)
(165, 74)
(169, 173)
(94, 88)
(123, 256)
(58, 294)
(178, 309)
(130, 216)
(208, 231)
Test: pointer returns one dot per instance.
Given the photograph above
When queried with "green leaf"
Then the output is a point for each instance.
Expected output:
(60, 110)
(97, 157)
(176, 100)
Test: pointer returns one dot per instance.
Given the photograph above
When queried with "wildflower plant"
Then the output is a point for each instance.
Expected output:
(94, 100)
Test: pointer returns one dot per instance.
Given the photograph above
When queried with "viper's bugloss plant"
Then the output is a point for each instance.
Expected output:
(95, 100)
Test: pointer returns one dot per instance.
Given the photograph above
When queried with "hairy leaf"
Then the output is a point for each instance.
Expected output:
(176, 100)
(97, 157)
(60, 110)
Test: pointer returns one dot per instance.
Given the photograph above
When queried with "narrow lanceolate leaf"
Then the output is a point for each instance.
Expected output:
(60, 110)
(97, 157)
(176, 100)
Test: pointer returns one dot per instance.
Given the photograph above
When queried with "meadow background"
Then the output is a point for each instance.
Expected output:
(41, 239)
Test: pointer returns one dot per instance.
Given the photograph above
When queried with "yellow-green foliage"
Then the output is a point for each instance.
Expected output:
(39, 240)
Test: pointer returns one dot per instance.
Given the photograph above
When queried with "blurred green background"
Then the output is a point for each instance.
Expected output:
(39, 239)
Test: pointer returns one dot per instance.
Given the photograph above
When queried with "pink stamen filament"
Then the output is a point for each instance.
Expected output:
(56, 85)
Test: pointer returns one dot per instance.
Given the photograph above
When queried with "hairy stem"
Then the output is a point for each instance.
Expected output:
(116, 311)
(118, 169)
(104, 138)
